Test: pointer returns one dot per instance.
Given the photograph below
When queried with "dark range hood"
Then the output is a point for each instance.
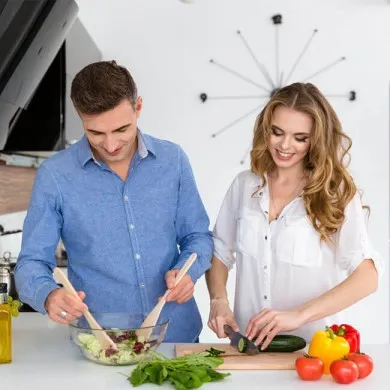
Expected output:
(32, 73)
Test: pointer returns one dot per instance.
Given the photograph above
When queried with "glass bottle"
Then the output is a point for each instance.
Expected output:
(5, 326)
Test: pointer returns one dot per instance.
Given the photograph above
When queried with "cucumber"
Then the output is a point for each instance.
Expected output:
(242, 344)
(280, 343)
(285, 343)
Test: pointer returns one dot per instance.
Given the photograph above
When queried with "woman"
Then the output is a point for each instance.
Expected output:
(293, 225)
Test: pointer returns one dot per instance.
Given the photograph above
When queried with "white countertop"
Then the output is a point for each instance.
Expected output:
(44, 358)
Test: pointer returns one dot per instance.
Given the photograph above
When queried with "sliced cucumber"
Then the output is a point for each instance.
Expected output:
(242, 344)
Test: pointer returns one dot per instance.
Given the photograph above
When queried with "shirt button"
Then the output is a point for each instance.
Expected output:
(132, 226)
(142, 285)
(126, 198)
(265, 297)
(265, 237)
(265, 267)
(137, 256)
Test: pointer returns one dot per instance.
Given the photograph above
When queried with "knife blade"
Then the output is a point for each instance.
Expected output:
(237, 337)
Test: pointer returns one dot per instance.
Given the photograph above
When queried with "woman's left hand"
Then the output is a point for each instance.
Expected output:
(268, 323)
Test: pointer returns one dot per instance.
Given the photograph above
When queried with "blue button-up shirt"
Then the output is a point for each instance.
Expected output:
(121, 237)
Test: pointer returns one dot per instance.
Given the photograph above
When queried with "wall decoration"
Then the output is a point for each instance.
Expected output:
(273, 84)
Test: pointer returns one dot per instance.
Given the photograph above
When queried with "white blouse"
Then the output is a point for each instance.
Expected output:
(283, 264)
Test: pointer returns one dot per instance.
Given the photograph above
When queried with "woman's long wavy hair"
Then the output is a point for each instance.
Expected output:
(330, 187)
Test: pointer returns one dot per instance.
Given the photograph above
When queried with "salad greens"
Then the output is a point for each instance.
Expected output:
(214, 352)
(186, 372)
(130, 348)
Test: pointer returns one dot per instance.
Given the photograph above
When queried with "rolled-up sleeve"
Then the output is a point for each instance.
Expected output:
(224, 232)
(354, 244)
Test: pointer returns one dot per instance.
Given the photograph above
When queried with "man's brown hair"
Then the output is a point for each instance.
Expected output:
(101, 86)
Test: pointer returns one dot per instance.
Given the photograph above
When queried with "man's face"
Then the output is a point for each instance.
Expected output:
(112, 134)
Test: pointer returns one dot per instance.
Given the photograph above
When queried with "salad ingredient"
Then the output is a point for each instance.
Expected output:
(214, 352)
(5, 326)
(15, 305)
(285, 343)
(344, 371)
(328, 347)
(186, 372)
(351, 334)
(309, 368)
(280, 343)
(130, 349)
(364, 362)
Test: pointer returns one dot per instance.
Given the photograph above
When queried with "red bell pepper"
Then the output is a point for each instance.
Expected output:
(351, 334)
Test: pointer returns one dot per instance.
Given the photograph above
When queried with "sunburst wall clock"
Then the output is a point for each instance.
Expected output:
(271, 83)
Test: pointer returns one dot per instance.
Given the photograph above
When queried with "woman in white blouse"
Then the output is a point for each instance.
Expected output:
(293, 225)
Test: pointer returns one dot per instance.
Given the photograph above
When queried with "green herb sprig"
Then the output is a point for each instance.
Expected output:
(214, 352)
(186, 372)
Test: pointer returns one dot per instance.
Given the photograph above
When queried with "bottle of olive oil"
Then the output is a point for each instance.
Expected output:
(5, 326)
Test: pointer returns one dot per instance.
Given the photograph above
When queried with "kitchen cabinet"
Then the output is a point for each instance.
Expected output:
(16, 184)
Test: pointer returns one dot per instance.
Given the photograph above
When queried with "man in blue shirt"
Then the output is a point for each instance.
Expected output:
(127, 209)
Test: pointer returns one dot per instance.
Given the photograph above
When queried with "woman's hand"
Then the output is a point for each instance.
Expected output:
(221, 314)
(268, 323)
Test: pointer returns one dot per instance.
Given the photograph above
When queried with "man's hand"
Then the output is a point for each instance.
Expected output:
(184, 290)
(61, 301)
(221, 314)
(268, 323)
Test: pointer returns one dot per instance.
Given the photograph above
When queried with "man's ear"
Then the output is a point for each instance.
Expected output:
(138, 106)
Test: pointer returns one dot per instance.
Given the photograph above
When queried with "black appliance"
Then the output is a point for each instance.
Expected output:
(32, 73)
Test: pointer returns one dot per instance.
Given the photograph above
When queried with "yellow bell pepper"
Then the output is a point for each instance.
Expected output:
(328, 347)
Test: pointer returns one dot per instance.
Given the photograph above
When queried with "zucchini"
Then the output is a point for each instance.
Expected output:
(285, 343)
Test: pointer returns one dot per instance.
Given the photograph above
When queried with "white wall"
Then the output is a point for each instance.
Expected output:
(80, 50)
(167, 44)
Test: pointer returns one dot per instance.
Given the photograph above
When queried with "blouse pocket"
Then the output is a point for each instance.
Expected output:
(298, 243)
(248, 234)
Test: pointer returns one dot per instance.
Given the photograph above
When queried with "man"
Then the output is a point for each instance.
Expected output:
(127, 209)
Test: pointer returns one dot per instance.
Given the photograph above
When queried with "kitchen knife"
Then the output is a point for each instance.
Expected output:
(240, 342)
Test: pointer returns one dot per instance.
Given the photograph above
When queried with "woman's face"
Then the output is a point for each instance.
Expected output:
(289, 140)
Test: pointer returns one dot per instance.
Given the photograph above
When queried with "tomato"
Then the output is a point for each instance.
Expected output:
(309, 368)
(344, 371)
(364, 363)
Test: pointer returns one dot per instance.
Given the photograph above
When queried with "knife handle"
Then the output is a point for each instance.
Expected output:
(228, 330)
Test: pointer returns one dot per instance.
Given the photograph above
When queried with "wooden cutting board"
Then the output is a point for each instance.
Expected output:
(234, 360)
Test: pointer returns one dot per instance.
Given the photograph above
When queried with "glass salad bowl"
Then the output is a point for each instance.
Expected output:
(122, 328)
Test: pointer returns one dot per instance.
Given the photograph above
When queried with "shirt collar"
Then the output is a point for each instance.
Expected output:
(257, 186)
(145, 145)
(259, 189)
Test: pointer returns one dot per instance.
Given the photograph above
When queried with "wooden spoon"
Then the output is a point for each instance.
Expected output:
(104, 339)
(150, 321)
